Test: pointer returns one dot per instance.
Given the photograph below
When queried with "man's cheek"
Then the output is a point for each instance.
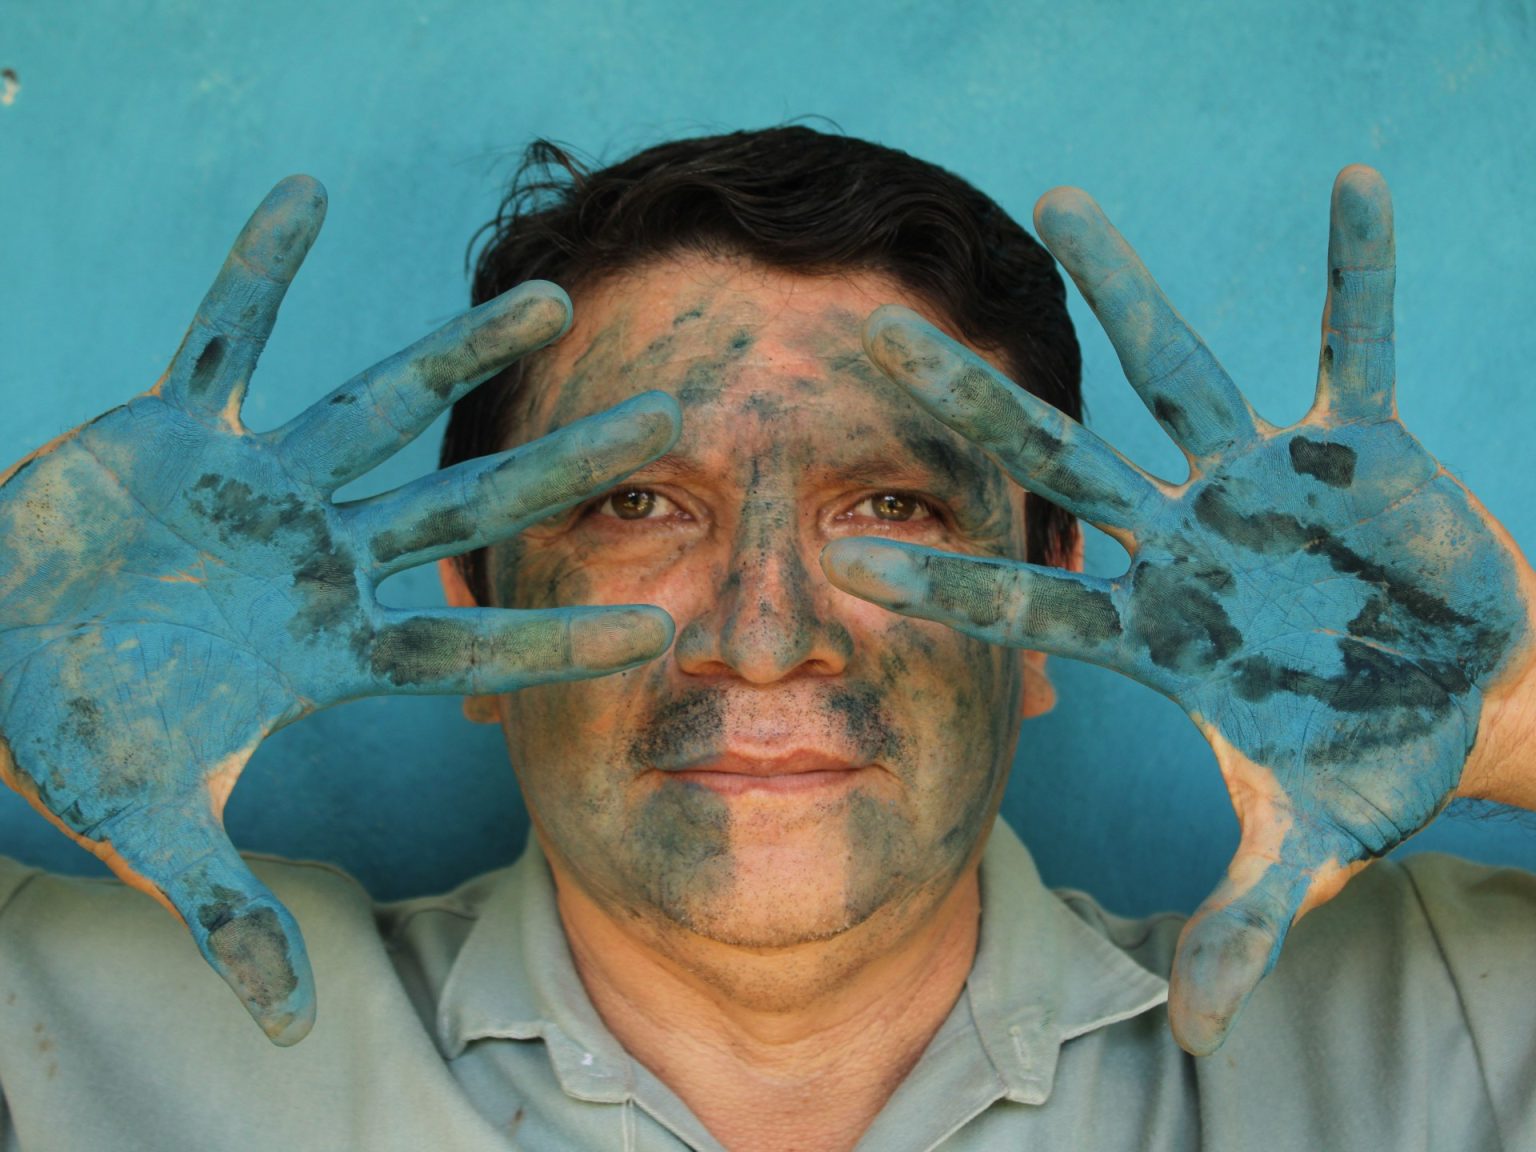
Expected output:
(677, 847)
(962, 695)
(633, 843)
(564, 741)
(571, 730)
(525, 576)
(989, 711)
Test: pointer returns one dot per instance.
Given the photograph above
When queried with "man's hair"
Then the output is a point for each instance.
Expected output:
(789, 198)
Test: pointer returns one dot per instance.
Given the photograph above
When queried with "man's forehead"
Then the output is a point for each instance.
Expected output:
(709, 331)
(774, 383)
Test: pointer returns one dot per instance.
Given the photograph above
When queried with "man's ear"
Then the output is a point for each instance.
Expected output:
(1039, 695)
(477, 709)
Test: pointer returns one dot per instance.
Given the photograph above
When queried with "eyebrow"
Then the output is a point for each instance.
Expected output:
(923, 461)
(673, 466)
(922, 457)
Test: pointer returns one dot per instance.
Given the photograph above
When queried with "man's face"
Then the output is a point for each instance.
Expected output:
(801, 760)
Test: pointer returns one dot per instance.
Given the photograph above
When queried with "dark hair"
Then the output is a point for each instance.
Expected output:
(795, 199)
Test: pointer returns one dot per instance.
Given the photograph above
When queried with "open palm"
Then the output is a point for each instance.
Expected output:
(175, 587)
(1327, 603)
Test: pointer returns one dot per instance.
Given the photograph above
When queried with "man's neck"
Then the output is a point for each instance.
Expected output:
(780, 1049)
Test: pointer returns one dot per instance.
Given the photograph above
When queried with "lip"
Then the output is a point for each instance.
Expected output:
(797, 771)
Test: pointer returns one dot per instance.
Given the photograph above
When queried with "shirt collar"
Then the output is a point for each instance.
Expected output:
(1041, 977)
(515, 979)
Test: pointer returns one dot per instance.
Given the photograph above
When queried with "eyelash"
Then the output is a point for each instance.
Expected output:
(924, 513)
(926, 510)
(604, 506)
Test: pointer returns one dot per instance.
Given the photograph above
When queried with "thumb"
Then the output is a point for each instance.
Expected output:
(1229, 945)
(1284, 866)
(242, 930)
(1277, 876)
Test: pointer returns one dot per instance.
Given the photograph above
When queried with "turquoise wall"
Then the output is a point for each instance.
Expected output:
(140, 135)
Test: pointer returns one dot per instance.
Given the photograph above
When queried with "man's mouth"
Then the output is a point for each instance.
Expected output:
(801, 770)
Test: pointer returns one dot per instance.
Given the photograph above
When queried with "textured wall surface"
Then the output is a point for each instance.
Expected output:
(135, 138)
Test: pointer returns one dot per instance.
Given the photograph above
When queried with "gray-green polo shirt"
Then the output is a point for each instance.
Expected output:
(1400, 1017)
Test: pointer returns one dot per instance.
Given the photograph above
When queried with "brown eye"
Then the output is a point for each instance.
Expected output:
(638, 504)
(893, 508)
(631, 504)
(898, 507)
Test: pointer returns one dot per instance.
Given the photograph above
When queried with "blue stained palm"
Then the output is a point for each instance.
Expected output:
(174, 587)
(1326, 602)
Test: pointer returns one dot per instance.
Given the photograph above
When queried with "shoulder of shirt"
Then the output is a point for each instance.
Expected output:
(308, 882)
(1467, 903)
(1466, 898)
(1148, 940)
(1438, 869)
(14, 876)
(463, 903)
(54, 929)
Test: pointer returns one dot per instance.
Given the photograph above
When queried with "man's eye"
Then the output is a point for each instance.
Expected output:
(635, 504)
(895, 507)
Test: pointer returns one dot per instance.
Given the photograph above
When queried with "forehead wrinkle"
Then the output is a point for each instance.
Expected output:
(959, 477)
(823, 344)
(833, 324)
(805, 345)
(957, 460)
(889, 469)
(819, 382)
(723, 448)
(802, 345)
(675, 465)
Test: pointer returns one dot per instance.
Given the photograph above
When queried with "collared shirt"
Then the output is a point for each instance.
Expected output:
(1399, 1017)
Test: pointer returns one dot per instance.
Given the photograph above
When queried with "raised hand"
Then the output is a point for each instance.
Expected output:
(175, 587)
(1329, 605)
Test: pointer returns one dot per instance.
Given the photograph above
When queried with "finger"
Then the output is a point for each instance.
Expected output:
(210, 371)
(244, 933)
(478, 501)
(1357, 372)
(375, 414)
(1177, 377)
(1283, 866)
(999, 601)
(486, 651)
(1041, 448)
(1229, 946)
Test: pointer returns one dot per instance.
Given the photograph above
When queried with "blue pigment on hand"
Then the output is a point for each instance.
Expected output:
(1325, 601)
(175, 587)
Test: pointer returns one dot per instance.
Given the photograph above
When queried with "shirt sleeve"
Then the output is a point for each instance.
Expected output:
(1484, 923)
(12, 877)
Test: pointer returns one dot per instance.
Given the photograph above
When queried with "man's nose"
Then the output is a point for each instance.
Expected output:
(770, 620)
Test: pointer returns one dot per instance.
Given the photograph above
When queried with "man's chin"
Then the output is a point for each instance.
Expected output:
(786, 919)
(775, 867)
(789, 886)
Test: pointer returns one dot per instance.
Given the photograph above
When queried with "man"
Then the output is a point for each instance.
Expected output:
(766, 905)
